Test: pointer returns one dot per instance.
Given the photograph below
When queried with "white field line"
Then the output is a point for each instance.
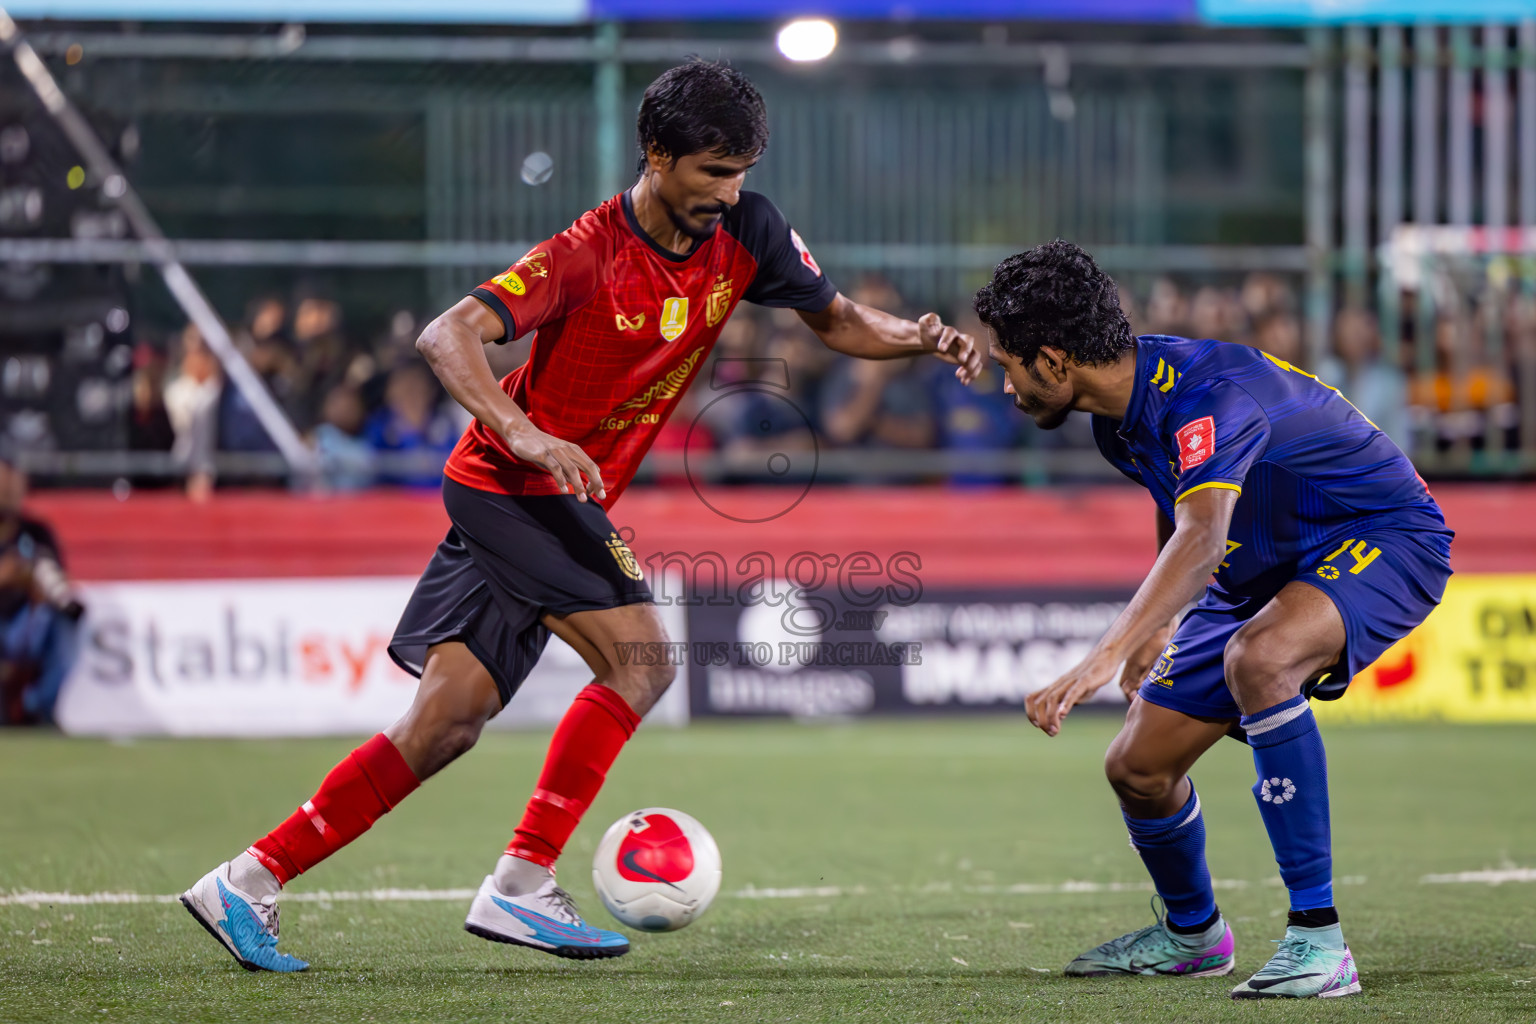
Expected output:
(31, 898)
(1492, 876)
(35, 899)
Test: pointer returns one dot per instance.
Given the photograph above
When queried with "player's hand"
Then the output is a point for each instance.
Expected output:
(1140, 662)
(951, 346)
(1048, 707)
(563, 460)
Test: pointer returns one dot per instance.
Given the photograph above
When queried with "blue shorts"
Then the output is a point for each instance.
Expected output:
(1384, 583)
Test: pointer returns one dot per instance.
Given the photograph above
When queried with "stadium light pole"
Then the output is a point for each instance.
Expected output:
(188, 295)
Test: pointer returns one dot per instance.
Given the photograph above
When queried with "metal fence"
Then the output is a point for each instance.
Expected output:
(386, 166)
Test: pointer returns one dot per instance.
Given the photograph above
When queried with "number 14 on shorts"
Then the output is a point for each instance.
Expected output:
(1357, 550)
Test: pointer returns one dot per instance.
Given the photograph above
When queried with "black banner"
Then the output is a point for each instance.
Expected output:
(808, 655)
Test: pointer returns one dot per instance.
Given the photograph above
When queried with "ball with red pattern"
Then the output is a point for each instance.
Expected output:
(656, 869)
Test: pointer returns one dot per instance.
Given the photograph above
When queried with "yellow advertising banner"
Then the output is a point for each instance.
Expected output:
(1472, 660)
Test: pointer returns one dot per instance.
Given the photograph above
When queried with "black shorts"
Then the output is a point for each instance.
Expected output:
(507, 560)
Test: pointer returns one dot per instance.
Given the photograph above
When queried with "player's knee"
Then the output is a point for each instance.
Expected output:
(1134, 781)
(1259, 666)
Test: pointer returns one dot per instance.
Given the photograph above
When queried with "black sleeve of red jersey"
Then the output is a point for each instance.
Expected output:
(787, 276)
(498, 307)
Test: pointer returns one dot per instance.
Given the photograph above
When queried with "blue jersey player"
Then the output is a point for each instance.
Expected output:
(1312, 546)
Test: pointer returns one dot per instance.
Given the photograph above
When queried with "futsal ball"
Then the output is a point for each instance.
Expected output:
(656, 869)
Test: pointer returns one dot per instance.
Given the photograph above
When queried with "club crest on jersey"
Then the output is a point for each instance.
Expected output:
(719, 302)
(624, 556)
(1197, 442)
(674, 317)
(536, 264)
(511, 282)
(625, 323)
(805, 254)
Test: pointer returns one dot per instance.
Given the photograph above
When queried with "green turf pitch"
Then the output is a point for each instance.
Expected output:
(915, 832)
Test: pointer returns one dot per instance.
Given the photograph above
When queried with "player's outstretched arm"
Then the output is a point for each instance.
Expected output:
(454, 346)
(1192, 554)
(850, 328)
(1140, 662)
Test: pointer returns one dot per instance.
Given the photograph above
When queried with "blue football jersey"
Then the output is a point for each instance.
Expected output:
(1309, 469)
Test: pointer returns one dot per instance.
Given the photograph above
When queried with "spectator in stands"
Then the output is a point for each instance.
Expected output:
(880, 404)
(778, 418)
(1264, 293)
(1279, 334)
(1521, 318)
(192, 404)
(149, 427)
(877, 404)
(265, 318)
(978, 418)
(1355, 367)
(1466, 399)
(411, 430)
(39, 611)
(267, 346)
(322, 352)
(269, 352)
(1132, 309)
(369, 371)
(346, 457)
(1167, 309)
(1218, 313)
(240, 429)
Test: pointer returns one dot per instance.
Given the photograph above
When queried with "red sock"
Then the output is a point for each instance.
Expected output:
(367, 783)
(582, 750)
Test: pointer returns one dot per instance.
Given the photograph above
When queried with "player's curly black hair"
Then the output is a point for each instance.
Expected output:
(702, 107)
(1055, 295)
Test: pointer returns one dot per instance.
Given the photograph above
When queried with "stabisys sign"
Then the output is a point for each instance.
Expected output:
(285, 657)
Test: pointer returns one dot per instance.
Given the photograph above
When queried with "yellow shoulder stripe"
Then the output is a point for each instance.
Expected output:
(1201, 487)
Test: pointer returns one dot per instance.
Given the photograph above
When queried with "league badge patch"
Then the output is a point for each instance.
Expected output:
(1197, 442)
(805, 254)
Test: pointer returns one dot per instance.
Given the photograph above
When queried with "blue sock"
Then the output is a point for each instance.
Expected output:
(1292, 792)
(1173, 849)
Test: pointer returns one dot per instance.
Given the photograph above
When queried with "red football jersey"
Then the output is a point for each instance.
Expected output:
(623, 325)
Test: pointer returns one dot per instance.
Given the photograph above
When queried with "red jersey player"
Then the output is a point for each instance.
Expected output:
(627, 304)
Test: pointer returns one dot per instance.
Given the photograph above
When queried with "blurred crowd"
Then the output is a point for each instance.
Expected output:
(374, 414)
(1459, 388)
(371, 410)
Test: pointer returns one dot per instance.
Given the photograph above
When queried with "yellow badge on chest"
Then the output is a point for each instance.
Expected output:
(674, 317)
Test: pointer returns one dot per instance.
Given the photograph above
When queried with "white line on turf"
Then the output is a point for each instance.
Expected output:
(34, 899)
(1492, 876)
(31, 898)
